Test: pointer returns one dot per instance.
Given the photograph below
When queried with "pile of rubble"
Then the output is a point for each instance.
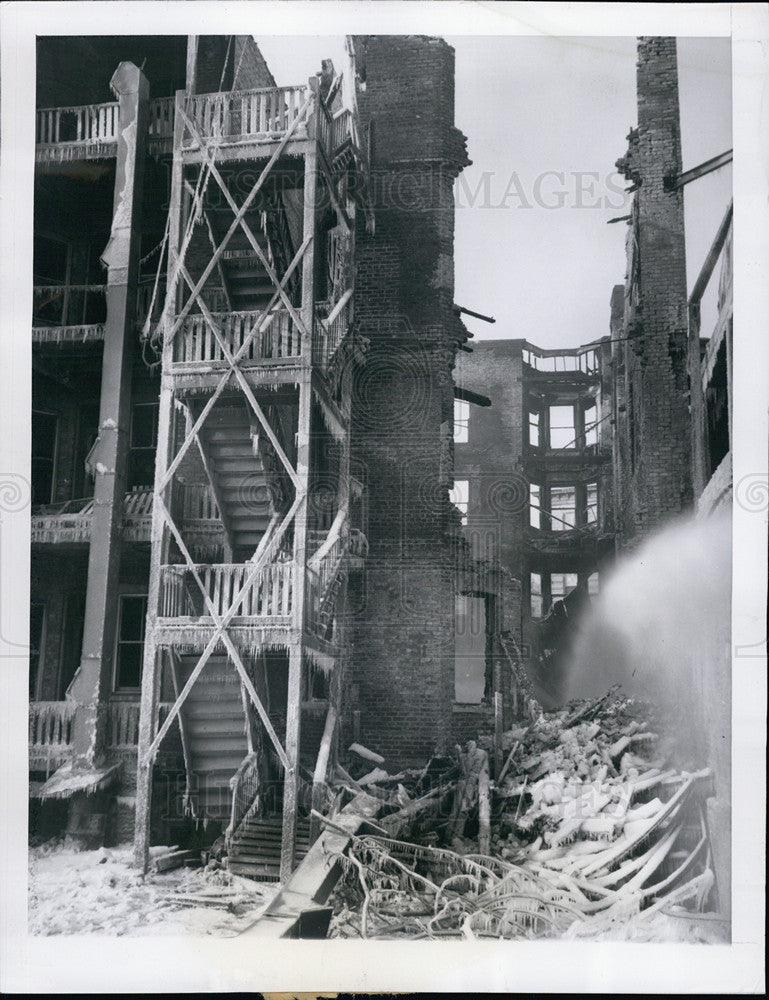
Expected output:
(587, 827)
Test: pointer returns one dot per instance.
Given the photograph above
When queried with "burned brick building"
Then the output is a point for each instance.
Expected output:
(533, 478)
(672, 397)
(243, 341)
(280, 505)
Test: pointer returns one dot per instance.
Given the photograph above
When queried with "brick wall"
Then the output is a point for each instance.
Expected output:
(251, 71)
(230, 62)
(656, 441)
(402, 604)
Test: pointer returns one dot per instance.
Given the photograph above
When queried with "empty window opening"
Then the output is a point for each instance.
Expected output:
(87, 432)
(534, 428)
(591, 426)
(562, 428)
(36, 642)
(593, 585)
(591, 503)
(130, 644)
(460, 497)
(563, 507)
(535, 505)
(536, 595)
(562, 584)
(44, 438)
(72, 640)
(461, 421)
(470, 649)
(717, 402)
(316, 685)
(144, 439)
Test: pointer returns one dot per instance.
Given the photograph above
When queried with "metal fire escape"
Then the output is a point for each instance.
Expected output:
(255, 332)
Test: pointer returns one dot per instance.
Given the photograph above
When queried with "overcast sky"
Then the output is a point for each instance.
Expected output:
(546, 119)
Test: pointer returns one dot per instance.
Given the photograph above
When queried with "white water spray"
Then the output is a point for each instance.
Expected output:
(661, 629)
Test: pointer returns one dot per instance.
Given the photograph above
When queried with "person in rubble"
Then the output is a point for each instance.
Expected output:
(472, 762)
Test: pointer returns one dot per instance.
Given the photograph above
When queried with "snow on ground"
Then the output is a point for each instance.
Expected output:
(98, 892)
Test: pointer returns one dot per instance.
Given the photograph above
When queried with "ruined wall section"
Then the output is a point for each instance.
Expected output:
(658, 482)
(402, 604)
(230, 62)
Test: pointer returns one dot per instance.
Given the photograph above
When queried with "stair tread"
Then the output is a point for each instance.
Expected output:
(198, 711)
(236, 449)
(206, 744)
(267, 862)
(228, 435)
(225, 708)
(274, 822)
(214, 726)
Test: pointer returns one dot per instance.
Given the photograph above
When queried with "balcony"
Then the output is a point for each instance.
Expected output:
(66, 523)
(579, 361)
(89, 131)
(196, 348)
(70, 522)
(266, 604)
(263, 115)
(51, 730)
(68, 313)
(50, 734)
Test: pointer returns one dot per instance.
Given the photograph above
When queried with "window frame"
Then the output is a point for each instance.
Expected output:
(590, 427)
(129, 592)
(588, 506)
(55, 454)
(463, 510)
(461, 425)
(536, 492)
(142, 450)
(535, 424)
(40, 665)
(558, 521)
(479, 610)
(573, 429)
(567, 588)
(538, 594)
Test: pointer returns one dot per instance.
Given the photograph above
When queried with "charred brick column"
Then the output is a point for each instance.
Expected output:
(93, 679)
(655, 355)
(402, 606)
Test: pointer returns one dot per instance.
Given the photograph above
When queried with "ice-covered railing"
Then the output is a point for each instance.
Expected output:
(68, 312)
(269, 594)
(81, 124)
(245, 788)
(92, 129)
(122, 730)
(330, 330)
(266, 113)
(323, 569)
(50, 729)
(278, 337)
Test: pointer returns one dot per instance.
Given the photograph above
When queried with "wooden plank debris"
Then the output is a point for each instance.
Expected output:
(175, 859)
(309, 887)
(367, 754)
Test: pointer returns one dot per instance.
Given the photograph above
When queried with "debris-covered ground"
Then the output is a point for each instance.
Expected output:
(588, 832)
(98, 892)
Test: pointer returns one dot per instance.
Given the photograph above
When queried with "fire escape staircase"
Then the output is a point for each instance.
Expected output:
(247, 261)
(213, 721)
(241, 486)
